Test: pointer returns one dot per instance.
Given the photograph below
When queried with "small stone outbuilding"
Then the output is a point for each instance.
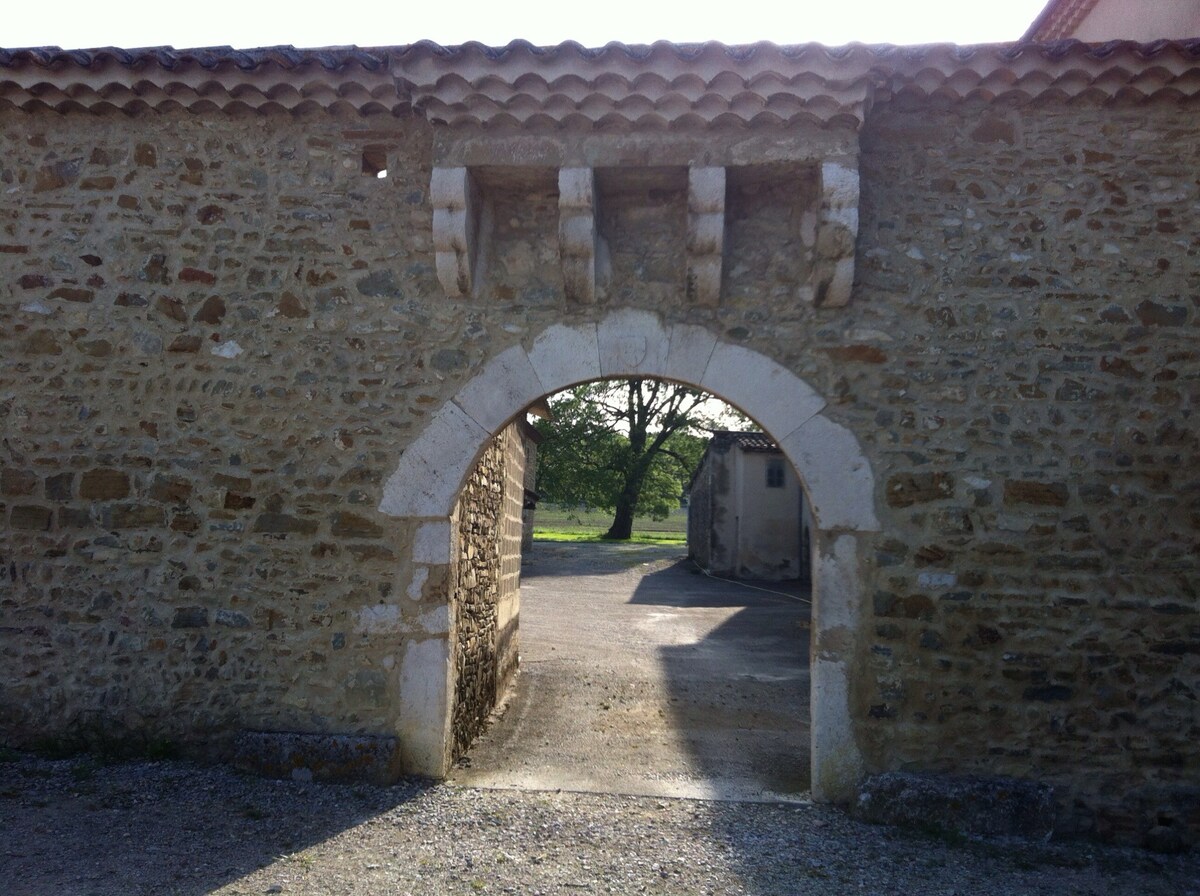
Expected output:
(747, 515)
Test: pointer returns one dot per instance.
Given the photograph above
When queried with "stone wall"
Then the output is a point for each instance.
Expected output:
(531, 438)
(207, 369)
(700, 512)
(1022, 362)
(218, 335)
(476, 594)
(487, 574)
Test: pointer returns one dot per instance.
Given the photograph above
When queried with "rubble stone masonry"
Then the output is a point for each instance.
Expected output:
(218, 334)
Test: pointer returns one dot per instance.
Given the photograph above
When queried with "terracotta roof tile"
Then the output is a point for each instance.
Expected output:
(571, 85)
(747, 441)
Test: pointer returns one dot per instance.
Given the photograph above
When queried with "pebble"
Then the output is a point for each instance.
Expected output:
(148, 821)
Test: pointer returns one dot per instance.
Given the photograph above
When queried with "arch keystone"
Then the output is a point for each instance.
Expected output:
(632, 343)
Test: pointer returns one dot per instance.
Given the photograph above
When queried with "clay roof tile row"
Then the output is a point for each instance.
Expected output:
(747, 441)
(572, 85)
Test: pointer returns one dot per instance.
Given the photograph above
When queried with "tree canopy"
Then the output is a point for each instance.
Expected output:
(624, 446)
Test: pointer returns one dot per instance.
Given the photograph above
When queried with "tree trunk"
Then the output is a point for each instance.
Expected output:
(622, 525)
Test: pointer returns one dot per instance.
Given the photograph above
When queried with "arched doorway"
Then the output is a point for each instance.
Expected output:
(837, 477)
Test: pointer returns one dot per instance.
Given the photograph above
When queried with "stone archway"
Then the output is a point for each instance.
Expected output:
(837, 477)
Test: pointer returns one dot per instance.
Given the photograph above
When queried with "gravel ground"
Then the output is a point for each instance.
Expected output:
(80, 827)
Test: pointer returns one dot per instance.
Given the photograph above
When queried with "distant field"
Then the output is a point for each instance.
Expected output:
(559, 524)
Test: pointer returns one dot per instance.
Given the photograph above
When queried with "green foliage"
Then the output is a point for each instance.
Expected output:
(583, 536)
(626, 447)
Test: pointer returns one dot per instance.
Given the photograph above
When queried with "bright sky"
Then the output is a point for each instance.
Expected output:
(74, 24)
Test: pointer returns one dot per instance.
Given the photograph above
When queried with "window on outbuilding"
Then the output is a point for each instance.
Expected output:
(774, 473)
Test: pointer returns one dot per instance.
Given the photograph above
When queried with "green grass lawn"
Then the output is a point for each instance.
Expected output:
(551, 523)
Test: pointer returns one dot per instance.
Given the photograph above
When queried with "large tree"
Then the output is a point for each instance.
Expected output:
(625, 446)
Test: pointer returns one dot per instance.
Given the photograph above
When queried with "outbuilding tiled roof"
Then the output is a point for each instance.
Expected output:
(661, 84)
(747, 441)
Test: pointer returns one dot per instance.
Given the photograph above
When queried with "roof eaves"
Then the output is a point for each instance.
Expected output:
(1059, 20)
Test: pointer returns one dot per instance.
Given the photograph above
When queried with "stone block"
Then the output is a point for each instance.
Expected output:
(17, 482)
(1045, 494)
(565, 356)
(351, 525)
(506, 385)
(338, 758)
(837, 475)
(632, 343)
(689, 348)
(744, 378)
(425, 705)
(907, 489)
(185, 344)
(284, 524)
(190, 617)
(136, 516)
(58, 486)
(994, 807)
(104, 485)
(431, 543)
(32, 517)
(432, 469)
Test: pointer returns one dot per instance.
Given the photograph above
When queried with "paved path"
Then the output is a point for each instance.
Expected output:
(639, 675)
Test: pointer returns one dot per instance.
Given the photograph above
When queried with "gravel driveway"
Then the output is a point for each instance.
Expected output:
(76, 828)
(80, 827)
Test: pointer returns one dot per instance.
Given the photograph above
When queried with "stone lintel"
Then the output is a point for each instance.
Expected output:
(706, 234)
(455, 201)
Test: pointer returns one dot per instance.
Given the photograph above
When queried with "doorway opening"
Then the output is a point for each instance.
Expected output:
(626, 343)
(648, 665)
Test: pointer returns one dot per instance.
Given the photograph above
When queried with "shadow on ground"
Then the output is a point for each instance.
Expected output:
(739, 697)
(81, 827)
(641, 676)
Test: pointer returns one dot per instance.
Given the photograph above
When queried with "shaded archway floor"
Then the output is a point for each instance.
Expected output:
(640, 675)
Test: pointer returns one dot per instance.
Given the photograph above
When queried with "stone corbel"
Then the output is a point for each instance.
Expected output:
(455, 202)
(837, 231)
(577, 233)
(706, 235)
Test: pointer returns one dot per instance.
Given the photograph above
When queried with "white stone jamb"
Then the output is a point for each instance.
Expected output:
(455, 200)
(837, 232)
(425, 711)
(577, 233)
(837, 762)
(706, 235)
